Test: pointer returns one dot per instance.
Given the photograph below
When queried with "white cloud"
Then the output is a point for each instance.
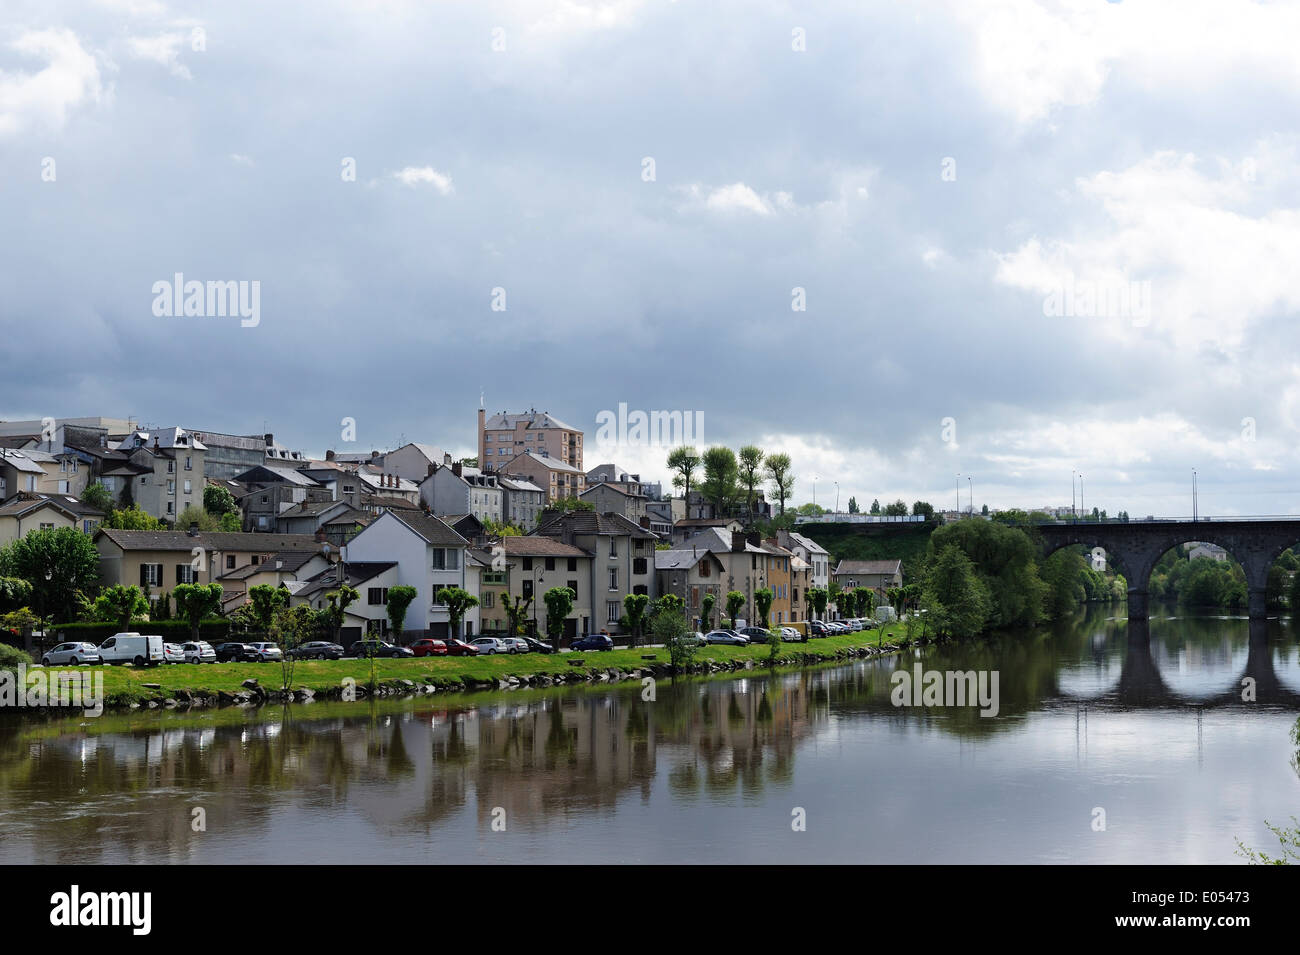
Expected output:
(163, 49)
(44, 98)
(419, 175)
(1215, 265)
(239, 159)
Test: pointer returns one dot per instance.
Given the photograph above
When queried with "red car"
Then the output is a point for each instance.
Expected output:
(429, 647)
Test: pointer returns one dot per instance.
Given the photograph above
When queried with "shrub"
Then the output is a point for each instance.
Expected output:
(11, 656)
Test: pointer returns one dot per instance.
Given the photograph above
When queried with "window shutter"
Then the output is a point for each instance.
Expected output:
(144, 575)
(180, 574)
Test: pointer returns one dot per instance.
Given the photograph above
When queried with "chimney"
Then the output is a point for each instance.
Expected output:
(754, 539)
(455, 469)
(269, 439)
(432, 467)
(373, 455)
(737, 540)
(329, 455)
(194, 529)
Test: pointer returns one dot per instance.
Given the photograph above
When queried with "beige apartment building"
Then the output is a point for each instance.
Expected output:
(505, 436)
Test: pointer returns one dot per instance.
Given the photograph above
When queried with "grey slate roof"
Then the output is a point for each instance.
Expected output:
(433, 530)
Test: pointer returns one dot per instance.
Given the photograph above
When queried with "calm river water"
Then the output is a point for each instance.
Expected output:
(1148, 727)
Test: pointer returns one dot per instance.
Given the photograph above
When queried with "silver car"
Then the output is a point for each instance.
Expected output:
(72, 654)
(487, 645)
(267, 652)
(516, 644)
(200, 652)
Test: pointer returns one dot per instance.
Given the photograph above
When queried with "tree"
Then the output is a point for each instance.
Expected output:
(399, 599)
(846, 600)
(763, 604)
(778, 472)
(132, 519)
(14, 593)
(1295, 594)
(635, 607)
(751, 475)
(818, 597)
(853, 505)
(458, 602)
(197, 515)
(957, 602)
(195, 602)
(897, 509)
(736, 601)
(339, 600)
(1005, 559)
(865, 600)
(265, 601)
(685, 461)
(706, 611)
(559, 604)
(120, 605)
(570, 503)
(668, 626)
(875, 506)
(57, 563)
(218, 500)
(923, 509)
(721, 472)
(97, 496)
(516, 611)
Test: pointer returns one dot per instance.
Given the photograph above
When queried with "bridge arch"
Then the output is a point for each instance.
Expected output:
(1138, 545)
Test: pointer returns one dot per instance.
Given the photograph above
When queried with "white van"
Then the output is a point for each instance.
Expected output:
(140, 649)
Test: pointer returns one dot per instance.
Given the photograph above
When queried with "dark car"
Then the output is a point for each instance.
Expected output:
(378, 648)
(593, 641)
(317, 650)
(237, 653)
(817, 629)
(756, 634)
(537, 646)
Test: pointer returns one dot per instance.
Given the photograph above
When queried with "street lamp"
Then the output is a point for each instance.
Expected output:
(971, 485)
(837, 497)
(1194, 514)
(958, 494)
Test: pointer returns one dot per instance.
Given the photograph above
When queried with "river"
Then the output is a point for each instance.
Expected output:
(1109, 746)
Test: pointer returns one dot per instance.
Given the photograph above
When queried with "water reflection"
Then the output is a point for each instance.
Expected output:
(709, 769)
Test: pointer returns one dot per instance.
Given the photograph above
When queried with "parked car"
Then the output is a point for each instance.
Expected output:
(490, 645)
(317, 650)
(365, 649)
(140, 649)
(72, 654)
(791, 635)
(756, 634)
(727, 638)
(173, 653)
(267, 652)
(817, 628)
(593, 641)
(236, 653)
(459, 648)
(695, 639)
(537, 646)
(429, 647)
(200, 652)
(516, 644)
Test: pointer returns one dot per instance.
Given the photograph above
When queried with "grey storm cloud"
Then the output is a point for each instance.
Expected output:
(1109, 143)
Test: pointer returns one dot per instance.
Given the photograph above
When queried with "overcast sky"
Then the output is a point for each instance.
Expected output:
(946, 182)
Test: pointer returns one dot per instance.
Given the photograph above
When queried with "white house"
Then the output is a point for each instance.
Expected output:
(430, 556)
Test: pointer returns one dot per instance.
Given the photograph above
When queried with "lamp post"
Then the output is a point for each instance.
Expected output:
(1194, 514)
(1081, 507)
(971, 485)
(837, 497)
(958, 494)
(1074, 514)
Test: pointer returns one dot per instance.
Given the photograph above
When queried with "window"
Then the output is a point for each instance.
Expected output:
(377, 596)
(266, 499)
(171, 467)
(437, 596)
(497, 577)
(349, 488)
(612, 611)
(641, 589)
(189, 463)
(257, 558)
(47, 527)
(613, 547)
(151, 575)
(638, 544)
(445, 558)
(171, 507)
(639, 565)
(550, 563)
(230, 562)
(572, 585)
(63, 465)
(488, 599)
(573, 564)
(528, 563)
(528, 588)
(63, 487)
(185, 574)
(188, 488)
(613, 578)
(695, 596)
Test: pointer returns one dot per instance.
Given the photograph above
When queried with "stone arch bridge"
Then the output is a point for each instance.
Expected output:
(1254, 542)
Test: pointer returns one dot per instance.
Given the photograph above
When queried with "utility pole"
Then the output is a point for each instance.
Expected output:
(959, 494)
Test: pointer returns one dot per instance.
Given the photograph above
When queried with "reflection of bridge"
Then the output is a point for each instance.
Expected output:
(1136, 545)
(1141, 684)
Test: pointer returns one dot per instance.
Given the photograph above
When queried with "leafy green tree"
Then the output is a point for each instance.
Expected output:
(196, 602)
(399, 599)
(750, 464)
(706, 611)
(635, 607)
(339, 600)
(162, 610)
(668, 626)
(266, 601)
(809, 509)
(559, 604)
(853, 505)
(458, 603)
(956, 600)
(763, 604)
(197, 515)
(685, 462)
(865, 602)
(819, 596)
(516, 611)
(846, 600)
(57, 563)
(218, 500)
(570, 503)
(875, 506)
(1005, 559)
(120, 605)
(923, 509)
(897, 509)
(14, 593)
(97, 496)
(721, 474)
(777, 468)
(132, 519)
(735, 603)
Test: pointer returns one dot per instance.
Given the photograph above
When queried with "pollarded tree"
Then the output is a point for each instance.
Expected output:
(706, 611)
(559, 604)
(750, 469)
(819, 596)
(685, 461)
(458, 603)
(777, 467)
(735, 603)
(763, 604)
(721, 472)
(845, 601)
(195, 602)
(399, 599)
(120, 605)
(635, 607)
(516, 611)
(264, 601)
(339, 600)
